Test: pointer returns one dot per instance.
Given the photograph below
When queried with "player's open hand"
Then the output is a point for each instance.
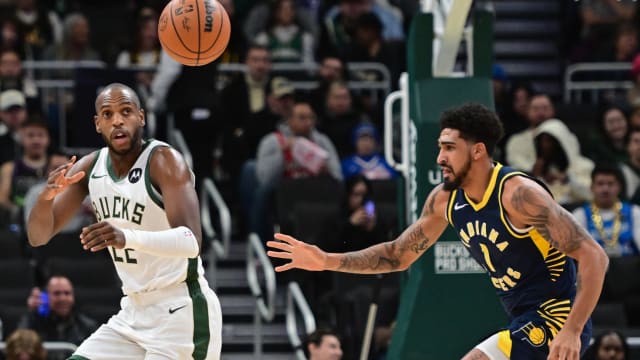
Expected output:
(58, 181)
(96, 237)
(302, 255)
(565, 346)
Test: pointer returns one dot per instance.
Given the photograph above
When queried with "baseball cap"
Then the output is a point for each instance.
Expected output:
(365, 129)
(11, 98)
(281, 86)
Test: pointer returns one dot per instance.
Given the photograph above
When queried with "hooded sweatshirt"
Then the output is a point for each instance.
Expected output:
(576, 188)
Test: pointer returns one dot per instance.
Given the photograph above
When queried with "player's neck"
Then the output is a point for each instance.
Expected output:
(122, 163)
(478, 180)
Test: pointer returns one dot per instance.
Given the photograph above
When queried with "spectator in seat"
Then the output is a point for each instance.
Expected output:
(340, 117)
(609, 220)
(609, 345)
(276, 156)
(359, 226)
(323, 344)
(13, 113)
(60, 321)
(75, 41)
(631, 168)
(285, 38)
(295, 150)
(515, 114)
(331, 68)
(367, 160)
(19, 175)
(12, 76)
(610, 142)
(520, 149)
(559, 163)
(25, 344)
(633, 95)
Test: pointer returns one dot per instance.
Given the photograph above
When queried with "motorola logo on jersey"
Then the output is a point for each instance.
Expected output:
(135, 175)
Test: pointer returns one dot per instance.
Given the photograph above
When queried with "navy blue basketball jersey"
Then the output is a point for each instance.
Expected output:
(527, 272)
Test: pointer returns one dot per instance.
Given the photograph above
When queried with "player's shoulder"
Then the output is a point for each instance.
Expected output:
(522, 182)
(437, 200)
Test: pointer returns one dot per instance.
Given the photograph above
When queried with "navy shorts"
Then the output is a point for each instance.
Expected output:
(529, 334)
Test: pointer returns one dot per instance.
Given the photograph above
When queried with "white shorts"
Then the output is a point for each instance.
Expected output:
(180, 322)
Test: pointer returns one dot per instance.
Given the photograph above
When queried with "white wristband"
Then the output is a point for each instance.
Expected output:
(176, 242)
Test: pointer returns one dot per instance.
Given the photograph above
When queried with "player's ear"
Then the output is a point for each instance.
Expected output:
(143, 117)
(478, 150)
(95, 121)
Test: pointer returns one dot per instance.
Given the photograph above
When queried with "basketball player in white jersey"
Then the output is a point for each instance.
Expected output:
(148, 219)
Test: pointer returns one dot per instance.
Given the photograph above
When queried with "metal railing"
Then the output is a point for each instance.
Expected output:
(220, 241)
(55, 82)
(296, 300)
(50, 346)
(265, 301)
(575, 89)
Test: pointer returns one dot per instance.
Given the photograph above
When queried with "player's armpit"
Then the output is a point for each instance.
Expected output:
(528, 204)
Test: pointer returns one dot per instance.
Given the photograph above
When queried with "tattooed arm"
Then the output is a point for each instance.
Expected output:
(528, 204)
(390, 256)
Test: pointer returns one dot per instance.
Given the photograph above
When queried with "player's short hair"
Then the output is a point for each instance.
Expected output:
(476, 123)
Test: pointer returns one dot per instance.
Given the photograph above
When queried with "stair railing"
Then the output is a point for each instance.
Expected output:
(265, 301)
(296, 300)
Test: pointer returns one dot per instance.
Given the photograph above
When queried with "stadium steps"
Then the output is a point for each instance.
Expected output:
(526, 35)
(238, 309)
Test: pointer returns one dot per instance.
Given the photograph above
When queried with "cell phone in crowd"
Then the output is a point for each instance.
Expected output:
(370, 208)
(43, 309)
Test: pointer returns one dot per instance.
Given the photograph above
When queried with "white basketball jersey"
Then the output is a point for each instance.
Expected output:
(131, 202)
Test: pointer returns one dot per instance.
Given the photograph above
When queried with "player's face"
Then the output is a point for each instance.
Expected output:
(119, 120)
(329, 349)
(454, 158)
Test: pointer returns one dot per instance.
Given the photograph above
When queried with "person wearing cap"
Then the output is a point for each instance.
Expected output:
(13, 113)
(366, 160)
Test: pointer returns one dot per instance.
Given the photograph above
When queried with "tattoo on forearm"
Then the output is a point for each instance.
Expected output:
(387, 256)
(375, 258)
(555, 224)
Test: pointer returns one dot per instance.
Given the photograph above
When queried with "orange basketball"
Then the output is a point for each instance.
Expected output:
(194, 32)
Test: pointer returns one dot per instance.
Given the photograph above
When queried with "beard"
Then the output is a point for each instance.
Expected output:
(450, 185)
(135, 139)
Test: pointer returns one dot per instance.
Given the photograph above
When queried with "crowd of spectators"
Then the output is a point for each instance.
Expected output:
(253, 129)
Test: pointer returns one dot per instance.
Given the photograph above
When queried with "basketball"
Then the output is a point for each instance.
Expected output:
(194, 32)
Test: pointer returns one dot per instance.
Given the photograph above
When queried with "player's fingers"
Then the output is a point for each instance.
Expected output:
(75, 177)
(284, 267)
(286, 238)
(279, 245)
(279, 254)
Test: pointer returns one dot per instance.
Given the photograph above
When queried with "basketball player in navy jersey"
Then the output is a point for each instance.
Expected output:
(511, 226)
(144, 198)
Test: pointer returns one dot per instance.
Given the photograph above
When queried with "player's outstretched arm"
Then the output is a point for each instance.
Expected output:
(59, 201)
(528, 203)
(396, 255)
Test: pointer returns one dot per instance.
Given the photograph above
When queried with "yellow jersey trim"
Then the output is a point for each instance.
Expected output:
(487, 192)
(503, 218)
(540, 242)
(504, 342)
(452, 199)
